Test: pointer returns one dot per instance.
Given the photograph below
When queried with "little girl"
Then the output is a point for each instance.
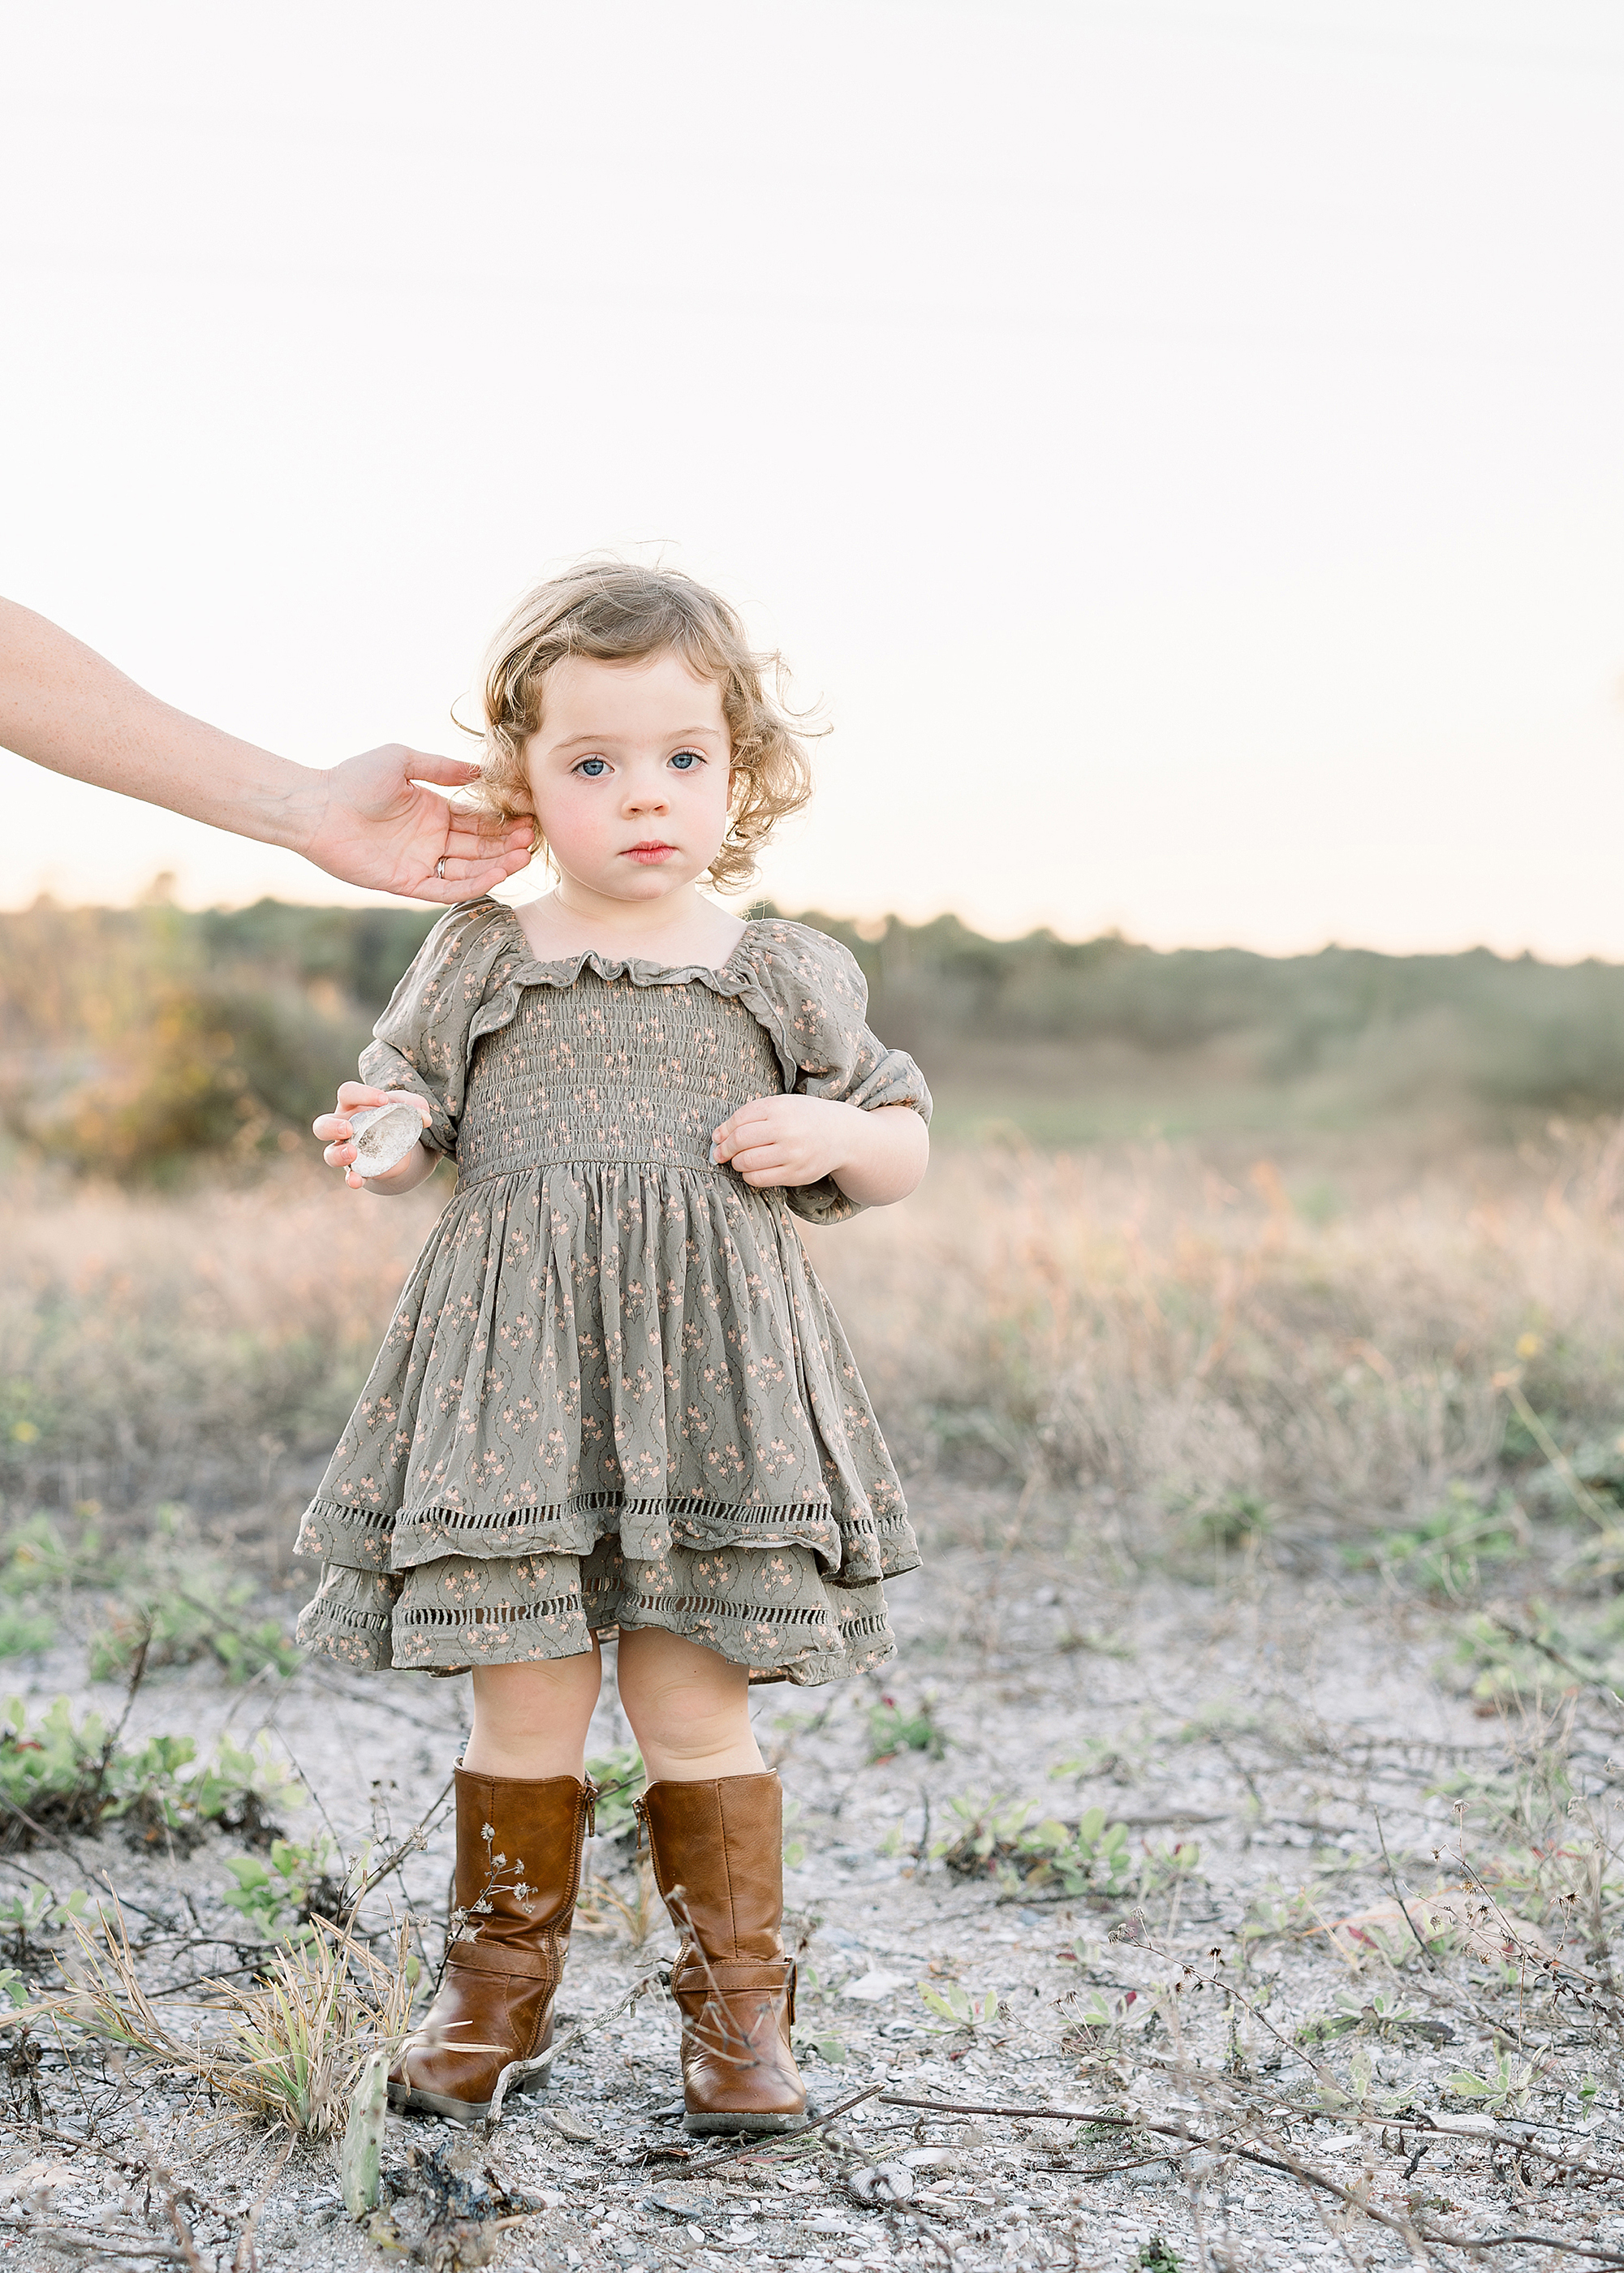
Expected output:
(614, 1399)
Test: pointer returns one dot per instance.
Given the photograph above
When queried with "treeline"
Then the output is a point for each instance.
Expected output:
(137, 1040)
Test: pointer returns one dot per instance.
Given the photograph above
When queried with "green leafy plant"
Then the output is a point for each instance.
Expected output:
(1358, 2093)
(891, 1730)
(277, 1894)
(57, 1775)
(620, 1777)
(1446, 1554)
(1508, 2087)
(38, 1554)
(35, 1910)
(1157, 2257)
(23, 1633)
(995, 1838)
(1233, 1521)
(1383, 2013)
(955, 2005)
(1098, 2022)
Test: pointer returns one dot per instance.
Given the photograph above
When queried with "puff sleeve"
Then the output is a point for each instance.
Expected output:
(819, 999)
(423, 1040)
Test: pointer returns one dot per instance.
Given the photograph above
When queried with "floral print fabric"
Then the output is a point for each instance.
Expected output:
(613, 1392)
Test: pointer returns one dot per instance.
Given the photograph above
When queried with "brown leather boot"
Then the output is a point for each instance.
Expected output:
(519, 1845)
(718, 1857)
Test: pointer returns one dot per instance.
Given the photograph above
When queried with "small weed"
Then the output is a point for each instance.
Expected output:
(1234, 1522)
(1506, 2088)
(995, 1840)
(958, 2007)
(24, 1633)
(37, 1556)
(1383, 2013)
(1163, 1867)
(278, 1897)
(35, 1910)
(180, 1601)
(1157, 2257)
(891, 1730)
(1099, 2022)
(1446, 1554)
(620, 1777)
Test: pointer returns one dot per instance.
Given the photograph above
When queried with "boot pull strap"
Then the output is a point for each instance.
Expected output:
(592, 1809)
(643, 1832)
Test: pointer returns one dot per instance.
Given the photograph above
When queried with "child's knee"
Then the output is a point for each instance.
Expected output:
(537, 1697)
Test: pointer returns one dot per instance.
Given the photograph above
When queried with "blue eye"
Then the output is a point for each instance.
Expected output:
(592, 768)
(685, 760)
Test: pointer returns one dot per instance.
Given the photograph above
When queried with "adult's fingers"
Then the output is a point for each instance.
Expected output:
(446, 890)
(427, 766)
(479, 836)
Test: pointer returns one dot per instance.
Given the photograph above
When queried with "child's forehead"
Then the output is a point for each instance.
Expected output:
(590, 691)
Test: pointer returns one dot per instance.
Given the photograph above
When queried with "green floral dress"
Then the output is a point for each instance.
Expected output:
(614, 1393)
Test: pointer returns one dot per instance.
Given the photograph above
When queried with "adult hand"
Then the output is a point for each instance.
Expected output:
(379, 827)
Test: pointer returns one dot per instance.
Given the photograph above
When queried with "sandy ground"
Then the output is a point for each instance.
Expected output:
(1269, 1718)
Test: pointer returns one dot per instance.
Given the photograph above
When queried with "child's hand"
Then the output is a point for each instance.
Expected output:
(788, 1140)
(334, 1130)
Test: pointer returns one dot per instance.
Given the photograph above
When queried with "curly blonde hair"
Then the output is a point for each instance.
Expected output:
(615, 612)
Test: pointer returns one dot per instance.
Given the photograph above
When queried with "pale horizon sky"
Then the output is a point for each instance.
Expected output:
(1180, 444)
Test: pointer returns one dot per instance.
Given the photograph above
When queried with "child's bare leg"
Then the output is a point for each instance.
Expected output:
(531, 1720)
(689, 1708)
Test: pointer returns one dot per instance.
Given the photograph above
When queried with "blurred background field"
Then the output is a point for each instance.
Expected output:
(142, 1043)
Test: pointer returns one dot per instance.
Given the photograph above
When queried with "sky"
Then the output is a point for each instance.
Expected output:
(1178, 445)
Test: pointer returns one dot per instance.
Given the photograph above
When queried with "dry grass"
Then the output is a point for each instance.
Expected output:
(294, 2041)
(1242, 1346)
(182, 1348)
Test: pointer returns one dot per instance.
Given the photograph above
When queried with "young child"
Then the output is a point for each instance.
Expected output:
(614, 1398)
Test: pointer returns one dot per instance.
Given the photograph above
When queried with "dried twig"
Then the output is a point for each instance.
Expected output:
(161, 2172)
(762, 2143)
(415, 1839)
(246, 2258)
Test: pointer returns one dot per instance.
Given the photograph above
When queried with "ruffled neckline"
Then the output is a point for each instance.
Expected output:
(564, 970)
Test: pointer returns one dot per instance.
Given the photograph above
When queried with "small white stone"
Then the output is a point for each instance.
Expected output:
(384, 1135)
(870, 1987)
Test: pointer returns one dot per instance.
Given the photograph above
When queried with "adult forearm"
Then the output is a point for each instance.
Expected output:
(887, 1155)
(65, 707)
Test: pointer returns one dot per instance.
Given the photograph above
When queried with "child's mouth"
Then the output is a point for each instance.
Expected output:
(648, 853)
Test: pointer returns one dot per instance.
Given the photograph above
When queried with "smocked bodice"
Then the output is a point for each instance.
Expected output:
(607, 1071)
